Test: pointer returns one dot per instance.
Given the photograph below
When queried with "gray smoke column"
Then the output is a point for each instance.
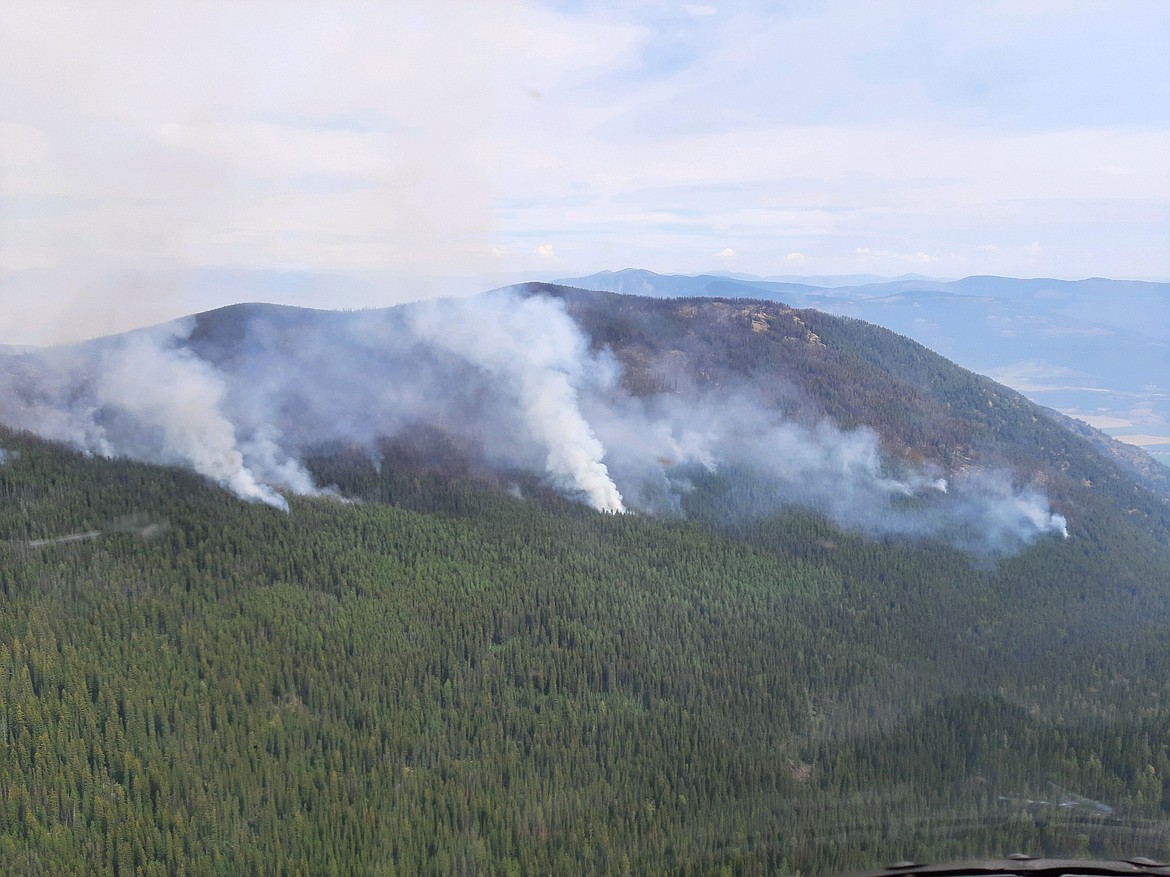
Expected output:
(140, 395)
(510, 380)
(992, 515)
(503, 371)
(663, 445)
(533, 350)
(168, 389)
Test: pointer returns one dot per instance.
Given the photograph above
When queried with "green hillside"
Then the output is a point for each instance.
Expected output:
(447, 680)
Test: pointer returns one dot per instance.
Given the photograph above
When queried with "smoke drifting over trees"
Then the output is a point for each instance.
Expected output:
(242, 395)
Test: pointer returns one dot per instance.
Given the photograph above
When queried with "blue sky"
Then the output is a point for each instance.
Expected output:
(157, 159)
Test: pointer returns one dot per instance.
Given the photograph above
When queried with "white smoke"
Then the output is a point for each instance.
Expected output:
(659, 446)
(144, 396)
(513, 382)
(992, 511)
(169, 389)
(532, 348)
(50, 394)
(271, 464)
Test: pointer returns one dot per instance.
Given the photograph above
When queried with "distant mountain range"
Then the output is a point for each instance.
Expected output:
(1097, 349)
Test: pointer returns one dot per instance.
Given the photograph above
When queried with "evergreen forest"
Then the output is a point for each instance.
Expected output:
(435, 677)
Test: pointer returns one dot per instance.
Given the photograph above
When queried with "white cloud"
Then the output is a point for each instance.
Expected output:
(545, 251)
(364, 137)
(794, 258)
(727, 253)
(869, 253)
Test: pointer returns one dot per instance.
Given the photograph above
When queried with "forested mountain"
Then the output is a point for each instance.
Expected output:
(594, 390)
(426, 649)
(1098, 349)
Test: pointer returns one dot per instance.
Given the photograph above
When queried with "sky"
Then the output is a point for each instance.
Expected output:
(164, 158)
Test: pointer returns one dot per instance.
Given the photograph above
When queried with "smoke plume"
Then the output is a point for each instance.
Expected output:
(242, 397)
(139, 395)
(535, 353)
(661, 447)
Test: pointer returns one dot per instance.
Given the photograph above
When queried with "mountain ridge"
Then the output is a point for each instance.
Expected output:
(798, 654)
(1057, 341)
(836, 392)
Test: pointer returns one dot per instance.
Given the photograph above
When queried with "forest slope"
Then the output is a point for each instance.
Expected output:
(801, 654)
(1096, 349)
(491, 685)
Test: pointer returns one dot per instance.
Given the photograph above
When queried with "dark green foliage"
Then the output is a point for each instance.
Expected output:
(445, 679)
(450, 680)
